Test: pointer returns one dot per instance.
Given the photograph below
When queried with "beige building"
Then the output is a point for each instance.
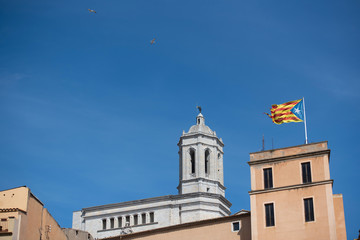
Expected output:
(234, 227)
(291, 195)
(23, 217)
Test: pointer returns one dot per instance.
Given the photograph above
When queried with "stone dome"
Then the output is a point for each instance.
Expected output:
(200, 126)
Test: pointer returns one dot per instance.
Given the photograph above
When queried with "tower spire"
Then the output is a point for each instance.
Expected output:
(200, 120)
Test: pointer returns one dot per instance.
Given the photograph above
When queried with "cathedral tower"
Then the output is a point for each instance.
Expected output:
(201, 160)
(201, 192)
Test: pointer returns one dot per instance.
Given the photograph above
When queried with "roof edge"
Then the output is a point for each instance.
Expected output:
(178, 226)
(157, 199)
(289, 147)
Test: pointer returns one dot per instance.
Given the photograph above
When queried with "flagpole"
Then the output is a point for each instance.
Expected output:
(306, 138)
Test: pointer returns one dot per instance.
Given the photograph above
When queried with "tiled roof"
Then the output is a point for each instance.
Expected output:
(10, 210)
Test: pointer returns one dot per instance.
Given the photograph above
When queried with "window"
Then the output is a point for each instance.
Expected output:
(207, 161)
(111, 223)
(120, 222)
(235, 226)
(135, 219)
(143, 218)
(309, 209)
(104, 224)
(306, 172)
(192, 160)
(127, 221)
(269, 215)
(268, 181)
(152, 217)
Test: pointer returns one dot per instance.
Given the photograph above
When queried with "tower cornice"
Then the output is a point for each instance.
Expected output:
(192, 135)
(203, 180)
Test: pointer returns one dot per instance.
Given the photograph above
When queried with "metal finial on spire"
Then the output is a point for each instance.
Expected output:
(198, 107)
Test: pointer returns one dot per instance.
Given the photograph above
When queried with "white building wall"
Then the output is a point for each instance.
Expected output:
(76, 221)
(168, 210)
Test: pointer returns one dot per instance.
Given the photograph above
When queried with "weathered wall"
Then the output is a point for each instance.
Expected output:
(15, 198)
(56, 232)
(31, 229)
(74, 234)
(339, 217)
(32, 223)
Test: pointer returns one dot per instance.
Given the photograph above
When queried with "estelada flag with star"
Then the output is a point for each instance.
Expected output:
(292, 111)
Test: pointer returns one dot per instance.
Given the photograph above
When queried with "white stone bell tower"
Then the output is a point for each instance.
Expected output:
(201, 160)
(201, 192)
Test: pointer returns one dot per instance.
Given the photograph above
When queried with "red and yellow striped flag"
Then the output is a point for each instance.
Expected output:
(282, 113)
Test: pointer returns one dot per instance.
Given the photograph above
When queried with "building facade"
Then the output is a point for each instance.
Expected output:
(201, 192)
(75, 234)
(23, 216)
(291, 195)
(234, 227)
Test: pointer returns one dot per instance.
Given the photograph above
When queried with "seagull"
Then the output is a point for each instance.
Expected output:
(91, 11)
(152, 41)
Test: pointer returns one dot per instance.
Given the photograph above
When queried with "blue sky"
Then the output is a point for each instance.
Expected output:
(91, 112)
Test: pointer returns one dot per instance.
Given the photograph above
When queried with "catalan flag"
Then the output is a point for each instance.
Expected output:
(292, 111)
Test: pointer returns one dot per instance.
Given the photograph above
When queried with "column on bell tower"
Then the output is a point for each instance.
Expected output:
(200, 146)
(200, 160)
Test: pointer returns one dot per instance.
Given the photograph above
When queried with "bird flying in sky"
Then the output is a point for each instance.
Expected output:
(152, 41)
(91, 11)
